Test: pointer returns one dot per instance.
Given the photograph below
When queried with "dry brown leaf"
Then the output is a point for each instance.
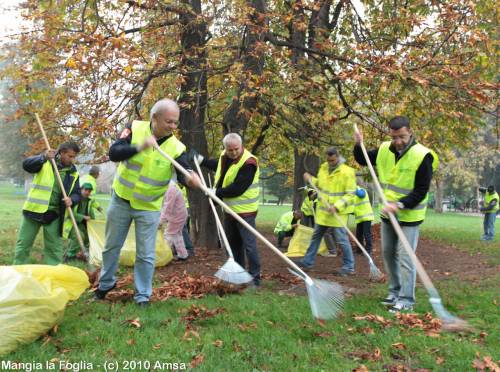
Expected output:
(361, 368)
(197, 360)
(133, 322)
(399, 345)
(246, 327)
(157, 346)
(217, 343)
(439, 360)
(131, 341)
(236, 346)
(323, 334)
(367, 330)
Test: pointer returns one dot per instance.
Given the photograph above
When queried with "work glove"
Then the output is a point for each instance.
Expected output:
(360, 193)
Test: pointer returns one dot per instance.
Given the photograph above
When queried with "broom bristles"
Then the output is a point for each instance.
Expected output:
(449, 322)
(325, 298)
(232, 272)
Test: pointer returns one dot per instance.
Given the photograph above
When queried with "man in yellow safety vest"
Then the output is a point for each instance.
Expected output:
(405, 168)
(363, 214)
(45, 206)
(141, 179)
(490, 209)
(237, 183)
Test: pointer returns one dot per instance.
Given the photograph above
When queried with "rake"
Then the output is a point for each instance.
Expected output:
(449, 321)
(325, 298)
(375, 273)
(231, 271)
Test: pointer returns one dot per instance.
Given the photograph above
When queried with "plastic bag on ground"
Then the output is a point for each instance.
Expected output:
(96, 230)
(300, 241)
(32, 300)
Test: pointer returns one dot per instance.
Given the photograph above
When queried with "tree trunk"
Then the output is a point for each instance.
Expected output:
(438, 196)
(303, 163)
(238, 114)
(193, 102)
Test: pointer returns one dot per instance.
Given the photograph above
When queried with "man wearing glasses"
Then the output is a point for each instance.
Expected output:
(140, 183)
(337, 184)
(405, 169)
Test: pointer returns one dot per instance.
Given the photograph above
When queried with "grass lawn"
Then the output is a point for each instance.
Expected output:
(258, 331)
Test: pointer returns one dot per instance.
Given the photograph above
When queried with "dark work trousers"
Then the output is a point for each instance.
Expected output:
(364, 235)
(243, 244)
(308, 221)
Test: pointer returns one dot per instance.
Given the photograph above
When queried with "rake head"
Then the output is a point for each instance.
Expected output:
(375, 274)
(325, 298)
(232, 272)
(449, 322)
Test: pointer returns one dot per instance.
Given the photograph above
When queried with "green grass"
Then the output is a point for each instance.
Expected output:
(266, 331)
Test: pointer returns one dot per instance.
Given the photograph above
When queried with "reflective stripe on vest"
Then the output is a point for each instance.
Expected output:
(249, 200)
(363, 209)
(398, 178)
(487, 200)
(40, 190)
(284, 223)
(143, 179)
(336, 189)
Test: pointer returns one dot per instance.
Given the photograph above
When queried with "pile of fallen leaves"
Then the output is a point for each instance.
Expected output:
(187, 286)
(426, 322)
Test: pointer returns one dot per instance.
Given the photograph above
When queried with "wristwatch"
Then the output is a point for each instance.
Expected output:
(400, 205)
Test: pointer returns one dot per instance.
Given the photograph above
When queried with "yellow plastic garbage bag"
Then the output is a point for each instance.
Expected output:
(32, 300)
(300, 241)
(96, 230)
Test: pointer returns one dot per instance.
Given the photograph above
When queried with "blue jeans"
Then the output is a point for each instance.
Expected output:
(401, 271)
(489, 226)
(341, 239)
(120, 216)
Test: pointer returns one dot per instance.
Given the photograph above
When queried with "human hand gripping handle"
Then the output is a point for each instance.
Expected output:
(67, 200)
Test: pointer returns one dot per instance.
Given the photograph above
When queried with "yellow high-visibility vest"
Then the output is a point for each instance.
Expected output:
(487, 200)
(143, 179)
(249, 200)
(398, 178)
(41, 189)
(337, 189)
(362, 208)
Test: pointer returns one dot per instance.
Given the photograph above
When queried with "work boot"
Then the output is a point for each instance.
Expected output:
(100, 294)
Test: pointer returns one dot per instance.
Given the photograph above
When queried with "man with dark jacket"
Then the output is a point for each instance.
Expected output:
(45, 206)
(405, 169)
(237, 183)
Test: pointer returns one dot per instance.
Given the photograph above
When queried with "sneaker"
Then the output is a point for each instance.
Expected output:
(303, 266)
(330, 254)
(401, 308)
(389, 300)
(343, 272)
(100, 294)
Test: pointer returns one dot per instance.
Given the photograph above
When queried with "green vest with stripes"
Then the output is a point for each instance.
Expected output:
(362, 208)
(308, 206)
(143, 179)
(336, 189)
(41, 189)
(398, 178)
(487, 200)
(249, 200)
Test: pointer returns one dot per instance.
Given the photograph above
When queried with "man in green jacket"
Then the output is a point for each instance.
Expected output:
(45, 206)
(489, 209)
(83, 212)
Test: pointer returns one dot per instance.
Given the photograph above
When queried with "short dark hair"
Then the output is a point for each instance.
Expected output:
(399, 122)
(491, 188)
(69, 145)
(332, 151)
(94, 170)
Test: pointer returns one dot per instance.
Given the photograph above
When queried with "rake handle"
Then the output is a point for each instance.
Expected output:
(424, 277)
(229, 211)
(61, 185)
(216, 215)
(337, 217)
